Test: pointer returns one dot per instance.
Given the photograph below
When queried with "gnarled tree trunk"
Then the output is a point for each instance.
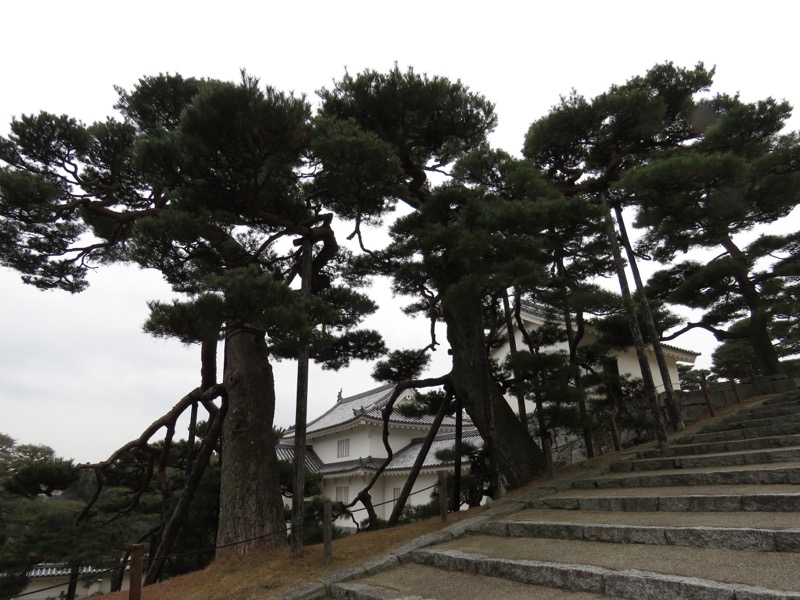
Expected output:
(251, 508)
(516, 455)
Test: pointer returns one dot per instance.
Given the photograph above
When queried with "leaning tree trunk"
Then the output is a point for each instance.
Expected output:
(519, 390)
(673, 407)
(516, 455)
(633, 322)
(251, 507)
(418, 462)
(179, 514)
(758, 333)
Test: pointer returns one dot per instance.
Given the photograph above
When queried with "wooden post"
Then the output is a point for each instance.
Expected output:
(548, 454)
(612, 423)
(137, 556)
(443, 496)
(735, 389)
(707, 397)
(327, 531)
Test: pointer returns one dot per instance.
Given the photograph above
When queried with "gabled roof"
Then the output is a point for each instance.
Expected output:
(368, 405)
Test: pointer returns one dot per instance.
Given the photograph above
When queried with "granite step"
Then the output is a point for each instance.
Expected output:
(748, 457)
(765, 474)
(784, 398)
(706, 498)
(740, 434)
(622, 570)
(716, 516)
(682, 448)
(419, 582)
(762, 412)
(780, 521)
(732, 538)
(753, 421)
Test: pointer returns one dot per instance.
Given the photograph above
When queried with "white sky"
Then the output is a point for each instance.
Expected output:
(77, 373)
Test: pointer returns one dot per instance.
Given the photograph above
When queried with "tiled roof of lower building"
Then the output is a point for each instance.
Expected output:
(406, 457)
(348, 466)
(286, 452)
(58, 570)
(367, 404)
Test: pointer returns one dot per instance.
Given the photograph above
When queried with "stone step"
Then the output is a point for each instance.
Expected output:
(706, 498)
(714, 516)
(765, 474)
(784, 398)
(752, 422)
(763, 412)
(740, 434)
(732, 538)
(681, 448)
(622, 570)
(752, 457)
(736, 520)
(419, 582)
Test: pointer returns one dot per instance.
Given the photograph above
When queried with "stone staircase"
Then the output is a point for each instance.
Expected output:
(714, 516)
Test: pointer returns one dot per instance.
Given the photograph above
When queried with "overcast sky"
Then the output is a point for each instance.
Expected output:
(77, 373)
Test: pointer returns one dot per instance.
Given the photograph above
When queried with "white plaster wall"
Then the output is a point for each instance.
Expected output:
(628, 362)
(326, 446)
(391, 481)
(355, 484)
(398, 439)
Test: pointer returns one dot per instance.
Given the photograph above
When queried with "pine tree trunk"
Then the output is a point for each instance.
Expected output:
(572, 343)
(418, 462)
(516, 455)
(457, 460)
(251, 507)
(301, 416)
(181, 511)
(636, 332)
(672, 403)
(519, 391)
(763, 351)
(72, 586)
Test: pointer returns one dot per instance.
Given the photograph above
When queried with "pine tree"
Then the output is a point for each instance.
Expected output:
(464, 242)
(585, 146)
(204, 181)
(743, 172)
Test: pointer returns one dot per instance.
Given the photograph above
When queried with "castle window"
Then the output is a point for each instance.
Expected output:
(343, 448)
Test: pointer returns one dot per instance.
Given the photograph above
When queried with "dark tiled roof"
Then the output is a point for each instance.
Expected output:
(58, 570)
(348, 466)
(286, 452)
(547, 314)
(367, 404)
(676, 349)
(405, 458)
